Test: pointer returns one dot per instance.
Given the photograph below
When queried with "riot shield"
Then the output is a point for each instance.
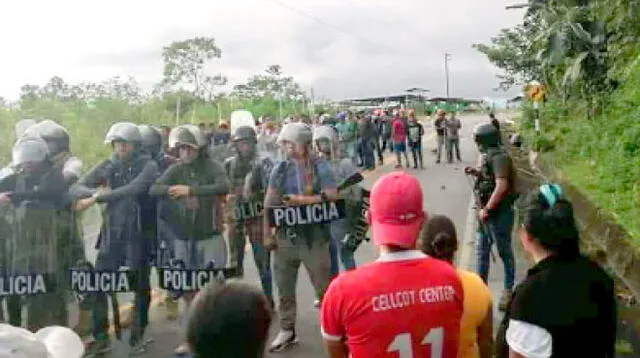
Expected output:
(199, 252)
(36, 250)
(241, 118)
(357, 217)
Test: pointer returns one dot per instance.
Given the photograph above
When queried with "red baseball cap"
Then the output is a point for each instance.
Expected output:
(395, 210)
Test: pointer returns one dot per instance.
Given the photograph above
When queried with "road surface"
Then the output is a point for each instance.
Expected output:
(446, 191)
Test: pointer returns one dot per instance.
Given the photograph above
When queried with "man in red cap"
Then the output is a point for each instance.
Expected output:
(405, 303)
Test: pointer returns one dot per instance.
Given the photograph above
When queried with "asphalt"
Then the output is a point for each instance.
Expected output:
(446, 191)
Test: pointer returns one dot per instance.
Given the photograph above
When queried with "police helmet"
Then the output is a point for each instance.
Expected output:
(187, 134)
(486, 135)
(124, 132)
(296, 132)
(22, 125)
(244, 133)
(54, 134)
(325, 132)
(151, 139)
(29, 149)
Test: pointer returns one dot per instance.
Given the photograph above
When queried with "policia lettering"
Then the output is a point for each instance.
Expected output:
(245, 211)
(320, 213)
(19, 285)
(189, 280)
(87, 281)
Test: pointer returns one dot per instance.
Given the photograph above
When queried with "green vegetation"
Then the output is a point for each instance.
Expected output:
(186, 94)
(586, 55)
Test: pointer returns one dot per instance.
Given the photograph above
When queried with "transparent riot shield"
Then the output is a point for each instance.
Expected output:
(36, 255)
(241, 118)
(199, 249)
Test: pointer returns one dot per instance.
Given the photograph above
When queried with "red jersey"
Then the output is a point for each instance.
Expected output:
(405, 305)
(399, 131)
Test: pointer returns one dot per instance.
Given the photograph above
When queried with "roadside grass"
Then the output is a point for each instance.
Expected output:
(600, 156)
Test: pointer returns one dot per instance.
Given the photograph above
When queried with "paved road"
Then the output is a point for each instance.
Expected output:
(446, 191)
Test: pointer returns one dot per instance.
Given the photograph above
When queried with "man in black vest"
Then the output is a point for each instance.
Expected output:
(495, 190)
(123, 240)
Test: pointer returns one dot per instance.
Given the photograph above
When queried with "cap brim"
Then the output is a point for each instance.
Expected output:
(404, 236)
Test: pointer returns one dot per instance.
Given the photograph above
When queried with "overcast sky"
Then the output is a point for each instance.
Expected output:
(341, 48)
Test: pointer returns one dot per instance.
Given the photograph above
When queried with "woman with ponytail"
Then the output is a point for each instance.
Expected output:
(439, 240)
(565, 307)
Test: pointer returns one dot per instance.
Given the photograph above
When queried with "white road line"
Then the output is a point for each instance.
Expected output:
(467, 247)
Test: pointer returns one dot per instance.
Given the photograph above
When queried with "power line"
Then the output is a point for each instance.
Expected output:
(393, 25)
(317, 19)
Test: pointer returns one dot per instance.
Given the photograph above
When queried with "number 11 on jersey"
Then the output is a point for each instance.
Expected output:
(402, 343)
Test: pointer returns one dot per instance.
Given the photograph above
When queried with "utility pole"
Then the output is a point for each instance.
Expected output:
(447, 57)
(178, 112)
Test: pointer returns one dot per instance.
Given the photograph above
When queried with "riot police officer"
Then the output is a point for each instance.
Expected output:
(35, 192)
(301, 179)
(327, 145)
(196, 186)
(248, 169)
(495, 180)
(71, 249)
(164, 235)
(20, 127)
(152, 145)
(124, 181)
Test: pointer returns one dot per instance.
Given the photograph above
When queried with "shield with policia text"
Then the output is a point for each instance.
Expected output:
(311, 214)
(358, 221)
(35, 255)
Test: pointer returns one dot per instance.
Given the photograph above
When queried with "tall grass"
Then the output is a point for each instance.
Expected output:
(88, 123)
(602, 155)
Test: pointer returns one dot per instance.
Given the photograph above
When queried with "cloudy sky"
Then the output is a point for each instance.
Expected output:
(341, 48)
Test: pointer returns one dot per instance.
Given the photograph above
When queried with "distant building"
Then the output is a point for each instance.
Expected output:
(515, 102)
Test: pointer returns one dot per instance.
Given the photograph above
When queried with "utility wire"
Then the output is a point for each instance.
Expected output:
(383, 20)
(317, 19)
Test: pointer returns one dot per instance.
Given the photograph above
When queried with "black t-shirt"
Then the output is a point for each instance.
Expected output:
(503, 167)
(497, 164)
(574, 300)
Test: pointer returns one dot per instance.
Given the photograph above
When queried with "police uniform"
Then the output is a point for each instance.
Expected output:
(306, 244)
(342, 168)
(36, 195)
(199, 242)
(71, 248)
(122, 241)
(249, 178)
